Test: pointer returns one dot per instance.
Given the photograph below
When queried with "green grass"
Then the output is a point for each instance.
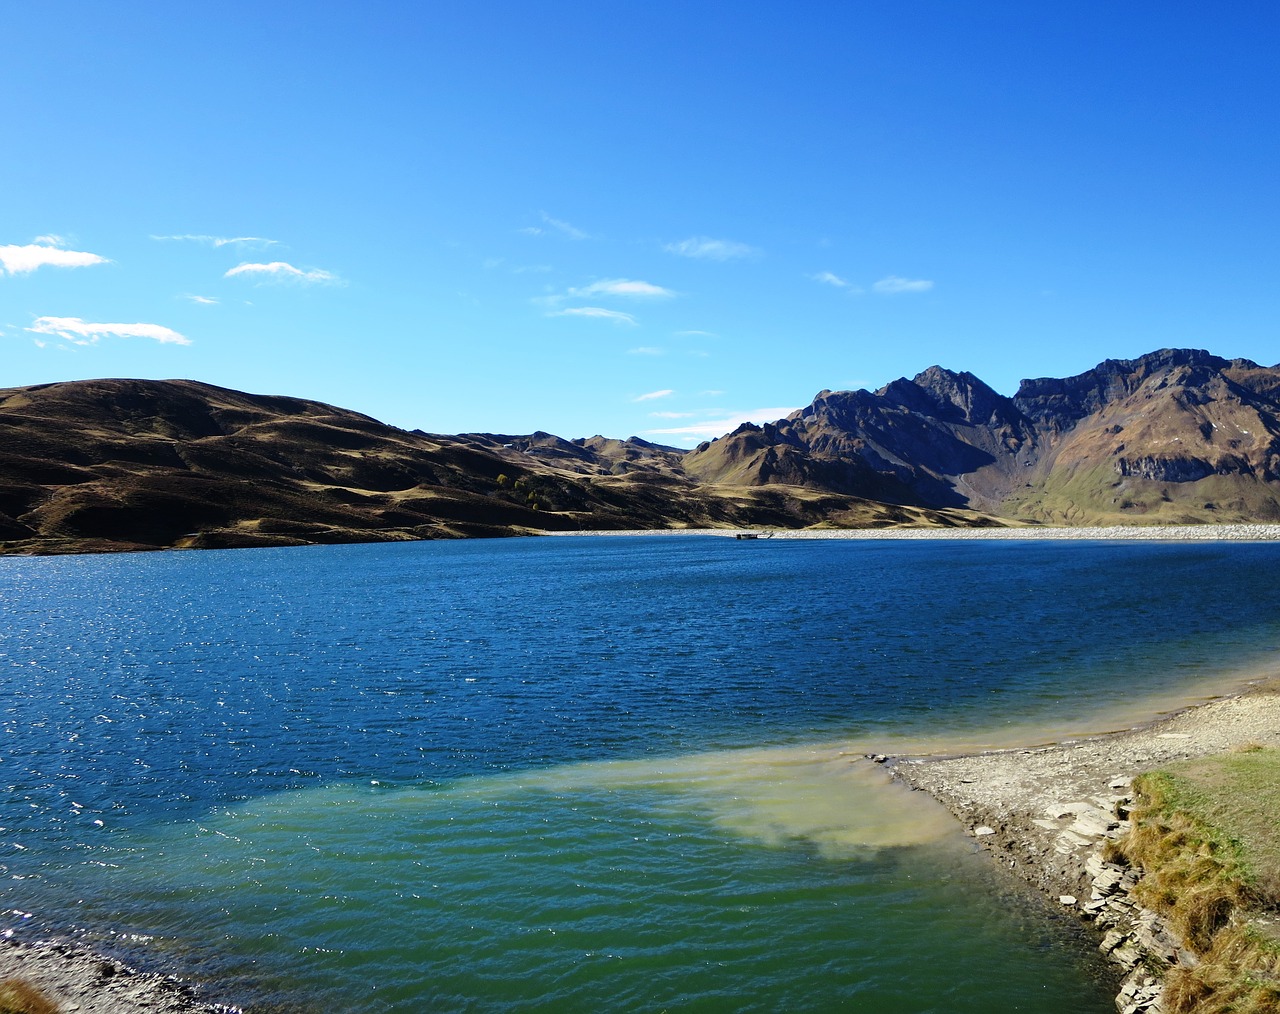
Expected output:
(1083, 495)
(1207, 834)
(1238, 795)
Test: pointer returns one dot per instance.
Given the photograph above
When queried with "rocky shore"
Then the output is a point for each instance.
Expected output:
(1046, 813)
(76, 979)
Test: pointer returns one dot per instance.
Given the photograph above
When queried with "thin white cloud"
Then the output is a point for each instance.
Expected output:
(713, 394)
(697, 334)
(830, 278)
(654, 395)
(83, 332)
(202, 300)
(705, 248)
(599, 312)
(672, 415)
(47, 251)
(559, 225)
(894, 285)
(491, 263)
(647, 350)
(724, 424)
(280, 271)
(217, 241)
(623, 287)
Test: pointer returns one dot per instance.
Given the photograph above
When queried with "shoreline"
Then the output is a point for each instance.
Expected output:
(1022, 796)
(1042, 812)
(1047, 813)
(77, 978)
(1130, 533)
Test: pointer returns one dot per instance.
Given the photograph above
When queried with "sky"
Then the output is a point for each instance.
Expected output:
(656, 219)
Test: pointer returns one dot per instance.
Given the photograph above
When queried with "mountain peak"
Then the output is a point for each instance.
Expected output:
(937, 390)
(1062, 402)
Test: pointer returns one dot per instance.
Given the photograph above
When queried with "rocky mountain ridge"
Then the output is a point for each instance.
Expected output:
(1176, 436)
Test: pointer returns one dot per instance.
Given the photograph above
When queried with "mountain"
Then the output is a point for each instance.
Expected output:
(130, 464)
(1176, 436)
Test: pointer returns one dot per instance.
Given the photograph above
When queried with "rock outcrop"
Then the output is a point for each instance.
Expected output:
(1177, 436)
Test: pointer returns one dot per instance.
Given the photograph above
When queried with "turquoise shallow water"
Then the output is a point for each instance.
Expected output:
(575, 774)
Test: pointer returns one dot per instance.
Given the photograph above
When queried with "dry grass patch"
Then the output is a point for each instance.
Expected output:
(1207, 835)
(17, 996)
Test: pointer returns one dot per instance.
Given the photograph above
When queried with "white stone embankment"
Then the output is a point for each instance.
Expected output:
(1130, 533)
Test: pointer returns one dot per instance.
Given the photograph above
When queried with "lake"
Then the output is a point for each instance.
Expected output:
(578, 774)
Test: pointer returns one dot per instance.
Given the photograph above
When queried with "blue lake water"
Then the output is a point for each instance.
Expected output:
(577, 774)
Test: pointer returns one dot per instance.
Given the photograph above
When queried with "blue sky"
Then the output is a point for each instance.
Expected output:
(651, 219)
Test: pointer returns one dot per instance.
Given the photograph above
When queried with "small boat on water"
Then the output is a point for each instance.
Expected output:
(752, 535)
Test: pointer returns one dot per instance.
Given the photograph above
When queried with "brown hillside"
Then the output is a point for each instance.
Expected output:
(129, 464)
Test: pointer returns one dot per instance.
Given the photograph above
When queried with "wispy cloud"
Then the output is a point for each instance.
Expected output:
(491, 263)
(599, 312)
(279, 271)
(724, 424)
(712, 249)
(672, 415)
(654, 395)
(217, 241)
(628, 287)
(201, 300)
(696, 334)
(625, 288)
(647, 350)
(894, 285)
(46, 251)
(556, 225)
(83, 332)
(832, 279)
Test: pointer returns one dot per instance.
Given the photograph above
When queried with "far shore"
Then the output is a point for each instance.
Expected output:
(1131, 533)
